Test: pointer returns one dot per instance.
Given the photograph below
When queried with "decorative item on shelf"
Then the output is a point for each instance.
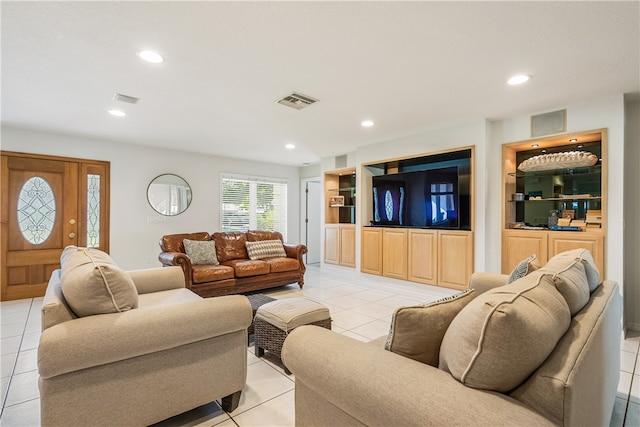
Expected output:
(553, 217)
(568, 213)
(336, 201)
(566, 160)
(594, 218)
(580, 223)
(517, 197)
(576, 196)
(535, 195)
(564, 222)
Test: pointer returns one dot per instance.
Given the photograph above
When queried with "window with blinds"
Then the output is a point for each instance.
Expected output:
(253, 203)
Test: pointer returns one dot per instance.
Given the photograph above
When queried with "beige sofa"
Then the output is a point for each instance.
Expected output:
(341, 381)
(167, 352)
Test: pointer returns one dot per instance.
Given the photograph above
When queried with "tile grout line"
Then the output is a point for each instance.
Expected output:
(15, 363)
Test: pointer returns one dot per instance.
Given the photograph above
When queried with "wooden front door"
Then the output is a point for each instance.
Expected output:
(48, 203)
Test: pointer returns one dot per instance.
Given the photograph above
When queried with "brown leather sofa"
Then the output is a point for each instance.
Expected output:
(236, 273)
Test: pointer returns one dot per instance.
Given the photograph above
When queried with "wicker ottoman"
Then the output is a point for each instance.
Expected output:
(274, 321)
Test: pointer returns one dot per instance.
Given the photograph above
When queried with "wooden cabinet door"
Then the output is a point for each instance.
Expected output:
(348, 245)
(331, 244)
(520, 244)
(371, 250)
(455, 258)
(394, 253)
(567, 241)
(423, 256)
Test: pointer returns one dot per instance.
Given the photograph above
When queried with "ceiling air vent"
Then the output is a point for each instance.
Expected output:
(125, 98)
(297, 101)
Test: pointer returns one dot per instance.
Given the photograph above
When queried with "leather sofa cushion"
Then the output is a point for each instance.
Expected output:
(258, 235)
(230, 246)
(416, 332)
(210, 273)
(173, 242)
(278, 265)
(247, 268)
(505, 334)
(92, 283)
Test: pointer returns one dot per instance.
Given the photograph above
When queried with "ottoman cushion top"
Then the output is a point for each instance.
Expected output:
(287, 314)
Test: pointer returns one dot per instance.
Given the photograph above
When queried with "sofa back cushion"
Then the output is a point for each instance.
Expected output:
(505, 334)
(230, 246)
(174, 242)
(582, 256)
(258, 235)
(92, 283)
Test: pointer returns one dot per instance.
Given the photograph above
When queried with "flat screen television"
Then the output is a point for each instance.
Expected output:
(438, 196)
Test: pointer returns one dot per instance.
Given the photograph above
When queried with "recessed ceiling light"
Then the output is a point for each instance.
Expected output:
(117, 113)
(534, 145)
(367, 123)
(573, 140)
(519, 79)
(290, 146)
(151, 56)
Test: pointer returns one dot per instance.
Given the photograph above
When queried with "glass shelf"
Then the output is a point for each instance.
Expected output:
(559, 199)
(571, 171)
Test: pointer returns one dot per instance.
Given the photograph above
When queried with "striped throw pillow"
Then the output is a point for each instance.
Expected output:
(265, 249)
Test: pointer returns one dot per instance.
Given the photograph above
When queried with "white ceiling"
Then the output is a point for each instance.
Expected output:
(408, 66)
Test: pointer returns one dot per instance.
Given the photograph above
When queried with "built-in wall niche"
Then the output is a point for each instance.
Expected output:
(429, 191)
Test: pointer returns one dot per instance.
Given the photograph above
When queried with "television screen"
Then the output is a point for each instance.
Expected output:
(437, 197)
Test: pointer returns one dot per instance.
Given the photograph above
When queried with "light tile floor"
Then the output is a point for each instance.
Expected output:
(361, 307)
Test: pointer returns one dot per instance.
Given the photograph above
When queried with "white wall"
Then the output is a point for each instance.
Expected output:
(445, 138)
(631, 214)
(135, 226)
(603, 113)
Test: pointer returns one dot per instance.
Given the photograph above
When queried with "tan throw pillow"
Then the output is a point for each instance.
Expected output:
(571, 282)
(201, 251)
(416, 332)
(563, 259)
(265, 249)
(505, 334)
(93, 284)
(523, 268)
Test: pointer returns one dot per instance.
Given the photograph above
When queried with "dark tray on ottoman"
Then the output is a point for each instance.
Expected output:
(256, 301)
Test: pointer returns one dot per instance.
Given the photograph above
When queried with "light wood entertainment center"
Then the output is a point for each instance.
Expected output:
(578, 192)
(340, 217)
(429, 254)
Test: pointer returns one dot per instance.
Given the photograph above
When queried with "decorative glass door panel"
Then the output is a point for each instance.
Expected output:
(48, 203)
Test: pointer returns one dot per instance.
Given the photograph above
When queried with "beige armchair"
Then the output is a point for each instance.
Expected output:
(175, 351)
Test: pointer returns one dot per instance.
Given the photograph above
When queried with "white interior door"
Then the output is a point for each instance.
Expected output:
(311, 200)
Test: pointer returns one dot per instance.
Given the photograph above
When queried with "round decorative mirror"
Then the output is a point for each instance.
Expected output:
(169, 194)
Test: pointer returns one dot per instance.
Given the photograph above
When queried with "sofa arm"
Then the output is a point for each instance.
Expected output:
(106, 338)
(157, 279)
(181, 260)
(296, 252)
(379, 388)
(483, 282)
